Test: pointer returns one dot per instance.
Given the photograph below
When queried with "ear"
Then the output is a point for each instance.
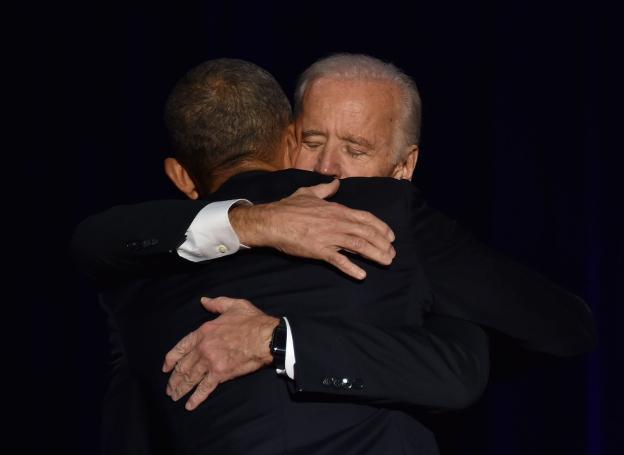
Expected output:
(180, 178)
(404, 169)
(295, 148)
(289, 147)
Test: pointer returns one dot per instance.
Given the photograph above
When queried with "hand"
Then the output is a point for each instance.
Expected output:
(232, 345)
(305, 225)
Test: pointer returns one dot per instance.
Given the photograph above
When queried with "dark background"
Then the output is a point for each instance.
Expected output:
(521, 143)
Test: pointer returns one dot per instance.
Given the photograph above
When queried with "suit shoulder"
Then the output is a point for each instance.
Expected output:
(265, 186)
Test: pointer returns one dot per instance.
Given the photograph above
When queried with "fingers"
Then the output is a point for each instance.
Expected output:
(368, 242)
(184, 346)
(382, 253)
(368, 219)
(219, 305)
(203, 390)
(321, 191)
(342, 263)
(325, 190)
(187, 373)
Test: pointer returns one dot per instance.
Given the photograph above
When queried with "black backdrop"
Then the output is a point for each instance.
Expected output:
(520, 143)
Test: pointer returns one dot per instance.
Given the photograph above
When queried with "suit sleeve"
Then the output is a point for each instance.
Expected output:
(442, 365)
(473, 282)
(133, 240)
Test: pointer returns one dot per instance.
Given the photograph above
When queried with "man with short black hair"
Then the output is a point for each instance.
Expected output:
(199, 109)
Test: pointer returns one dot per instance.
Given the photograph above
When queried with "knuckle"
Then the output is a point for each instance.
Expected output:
(170, 358)
(219, 367)
(180, 391)
(205, 351)
(361, 216)
(338, 260)
(356, 243)
(368, 231)
(331, 207)
(327, 255)
(185, 343)
(203, 387)
(195, 376)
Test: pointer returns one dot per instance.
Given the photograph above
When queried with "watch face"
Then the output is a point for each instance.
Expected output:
(278, 345)
(278, 340)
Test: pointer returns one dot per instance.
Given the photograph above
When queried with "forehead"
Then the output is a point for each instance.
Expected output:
(370, 103)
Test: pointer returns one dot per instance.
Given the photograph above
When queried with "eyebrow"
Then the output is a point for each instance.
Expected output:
(308, 133)
(359, 140)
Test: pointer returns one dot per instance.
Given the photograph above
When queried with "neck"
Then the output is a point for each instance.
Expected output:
(220, 177)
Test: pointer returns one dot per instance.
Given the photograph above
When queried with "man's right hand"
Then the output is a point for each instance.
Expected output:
(305, 225)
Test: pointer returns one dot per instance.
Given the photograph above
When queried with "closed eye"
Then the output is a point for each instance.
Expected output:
(355, 152)
(312, 144)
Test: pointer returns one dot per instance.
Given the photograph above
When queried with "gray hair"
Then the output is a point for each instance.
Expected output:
(365, 67)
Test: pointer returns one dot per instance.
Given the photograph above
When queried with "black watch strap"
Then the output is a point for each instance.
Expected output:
(278, 345)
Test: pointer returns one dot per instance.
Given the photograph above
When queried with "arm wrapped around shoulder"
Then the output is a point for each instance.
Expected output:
(132, 240)
(473, 282)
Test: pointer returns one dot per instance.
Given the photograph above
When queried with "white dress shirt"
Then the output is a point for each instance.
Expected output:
(211, 236)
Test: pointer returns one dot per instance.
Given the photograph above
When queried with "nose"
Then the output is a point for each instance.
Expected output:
(327, 163)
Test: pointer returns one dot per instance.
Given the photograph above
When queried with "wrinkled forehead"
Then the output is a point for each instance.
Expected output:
(362, 107)
(332, 91)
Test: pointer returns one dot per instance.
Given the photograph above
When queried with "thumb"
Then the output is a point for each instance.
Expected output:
(322, 190)
(218, 305)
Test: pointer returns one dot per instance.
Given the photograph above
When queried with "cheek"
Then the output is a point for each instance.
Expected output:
(353, 168)
(377, 167)
(305, 160)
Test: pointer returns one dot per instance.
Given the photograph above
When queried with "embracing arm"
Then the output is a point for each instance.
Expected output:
(152, 237)
(131, 240)
(473, 282)
(442, 365)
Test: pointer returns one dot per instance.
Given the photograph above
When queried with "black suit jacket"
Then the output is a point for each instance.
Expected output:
(468, 280)
(380, 354)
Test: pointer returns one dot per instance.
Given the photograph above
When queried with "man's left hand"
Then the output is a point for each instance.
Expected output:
(232, 345)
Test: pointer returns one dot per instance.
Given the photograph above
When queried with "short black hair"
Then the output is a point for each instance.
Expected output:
(223, 112)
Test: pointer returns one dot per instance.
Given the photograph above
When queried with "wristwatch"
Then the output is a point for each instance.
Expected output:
(277, 345)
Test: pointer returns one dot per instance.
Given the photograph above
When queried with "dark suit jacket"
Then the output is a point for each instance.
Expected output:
(468, 280)
(378, 353)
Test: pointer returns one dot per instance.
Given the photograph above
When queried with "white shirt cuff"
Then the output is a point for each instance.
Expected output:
(290, 354)
(210, 235)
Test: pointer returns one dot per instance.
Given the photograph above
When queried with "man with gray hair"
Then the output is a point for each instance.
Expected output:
(363, 68)
(357, 116)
